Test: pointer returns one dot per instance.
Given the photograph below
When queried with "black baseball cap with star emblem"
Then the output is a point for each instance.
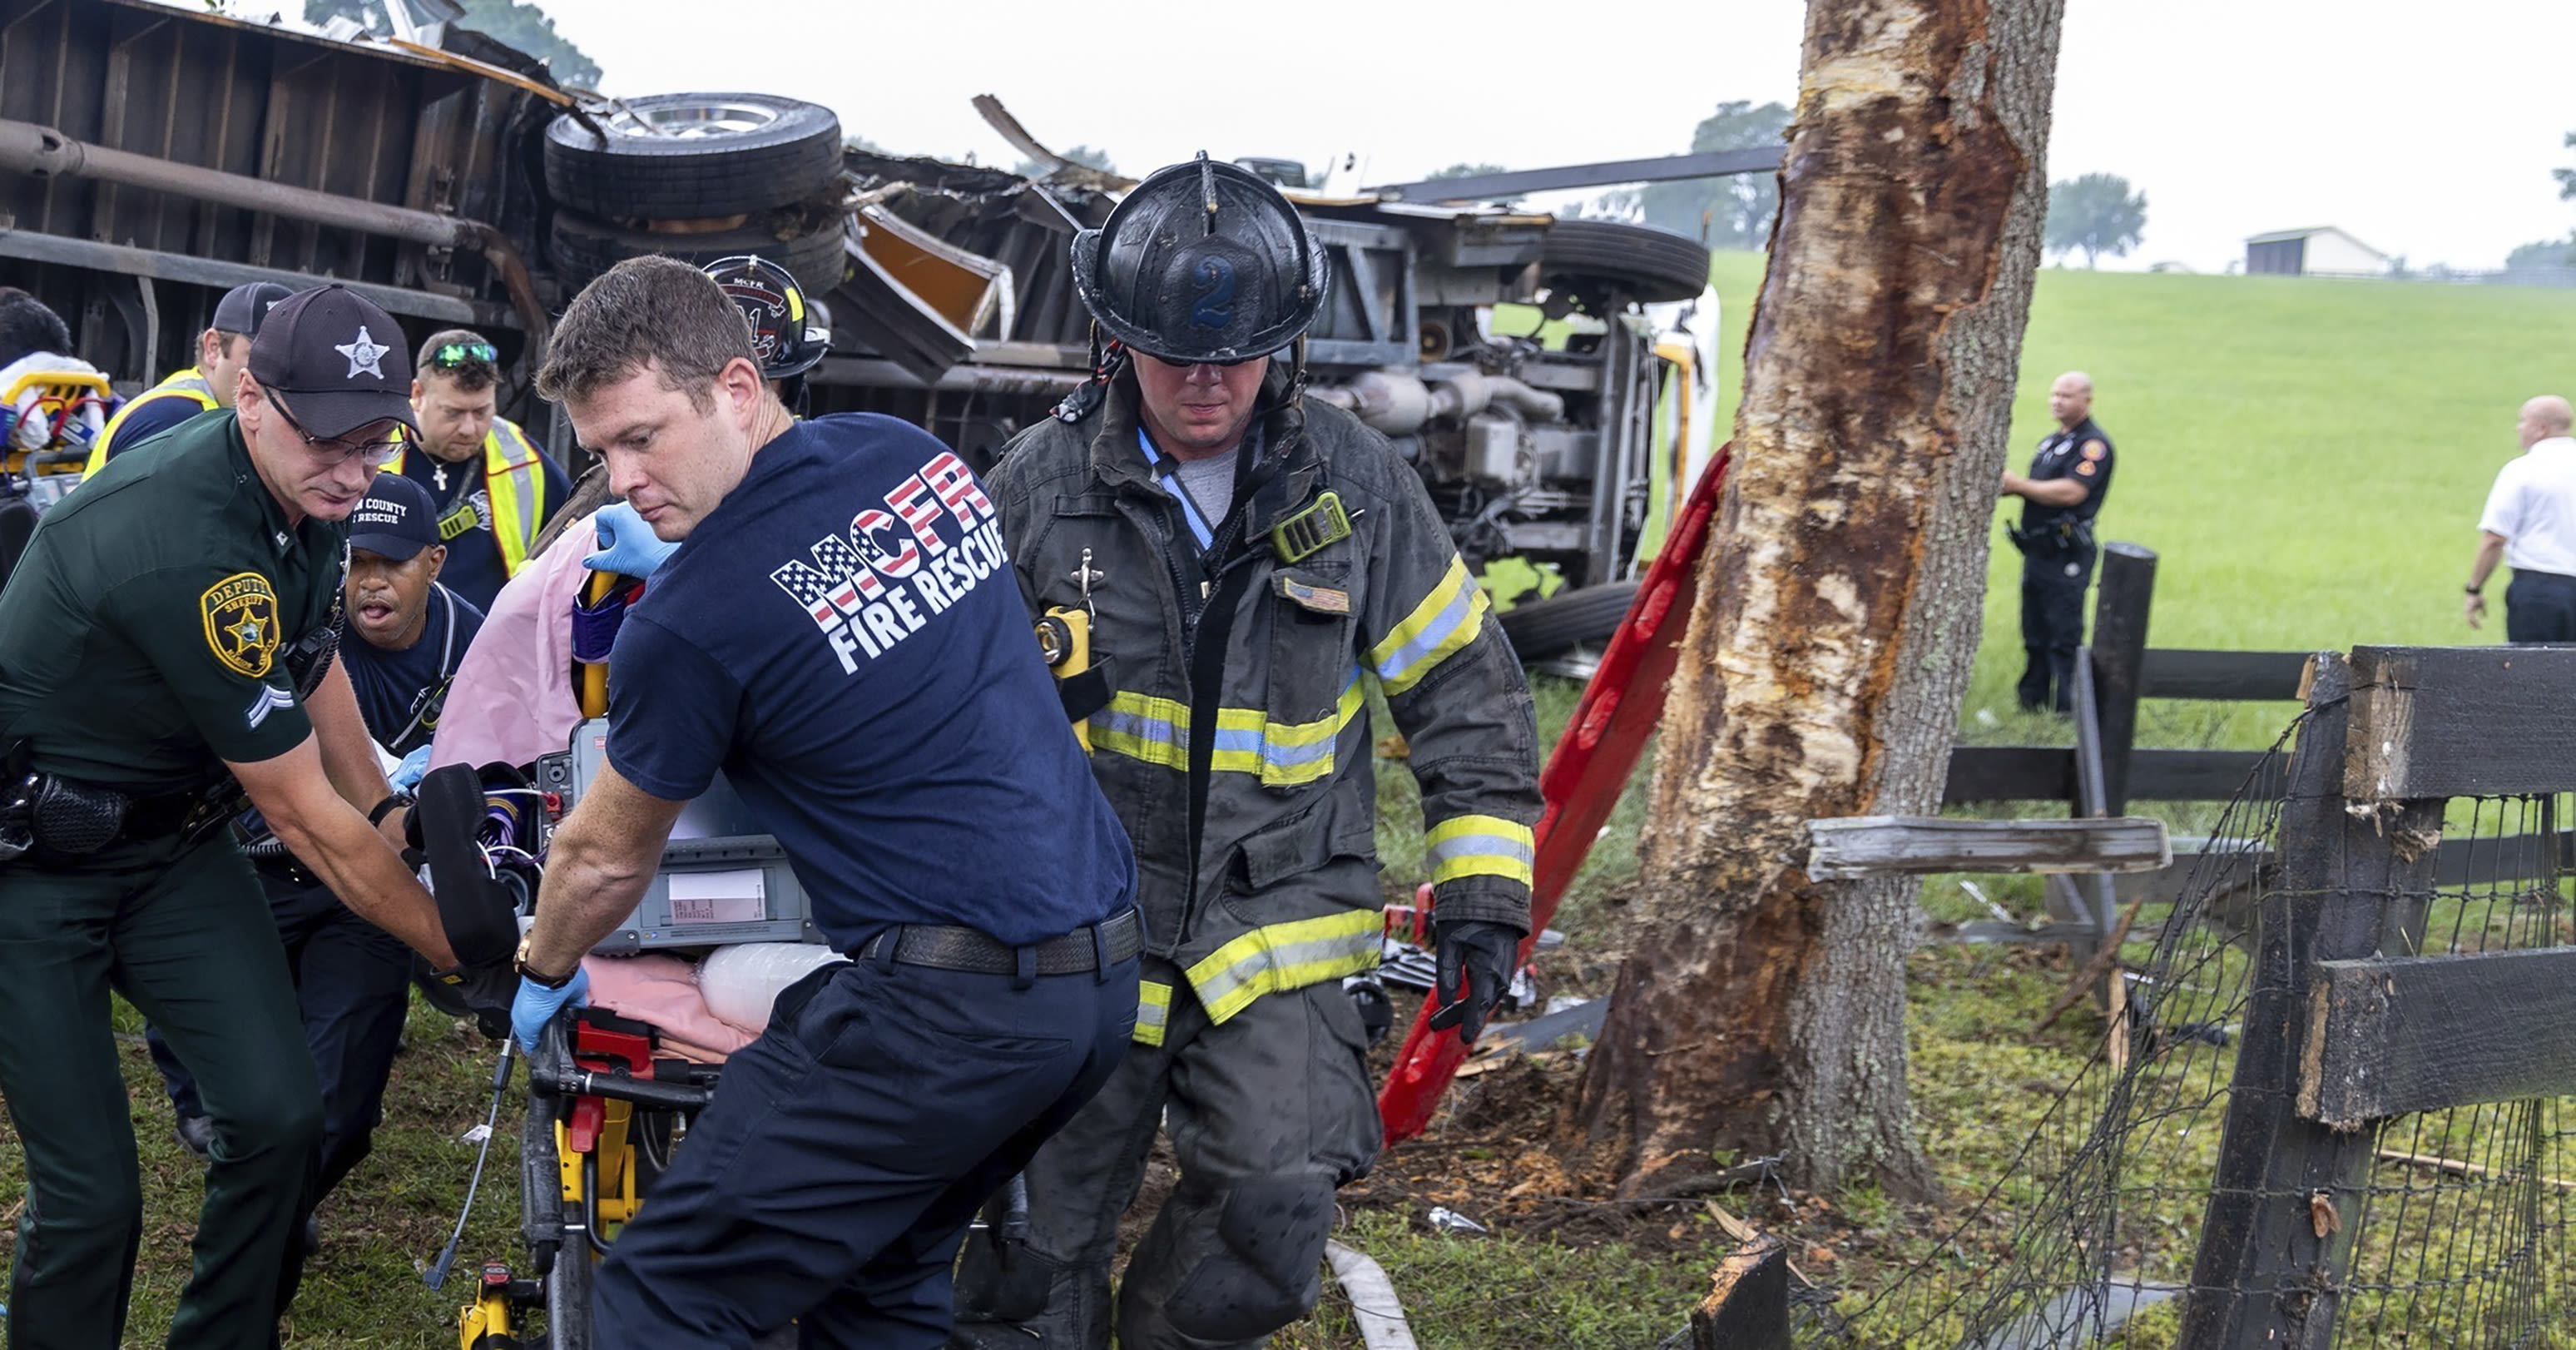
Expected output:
(336, 360)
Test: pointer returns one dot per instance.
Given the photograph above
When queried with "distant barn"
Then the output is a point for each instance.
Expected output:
(2320, 251)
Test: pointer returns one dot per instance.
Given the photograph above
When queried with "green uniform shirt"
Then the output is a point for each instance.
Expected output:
(143, 636)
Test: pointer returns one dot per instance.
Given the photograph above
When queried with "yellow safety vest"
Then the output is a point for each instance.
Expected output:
(514, 476)
(190, 384)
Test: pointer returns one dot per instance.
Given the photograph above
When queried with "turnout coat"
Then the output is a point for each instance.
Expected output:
(1234, 743)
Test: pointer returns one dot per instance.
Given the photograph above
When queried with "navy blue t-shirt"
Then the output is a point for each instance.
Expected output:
(844, 638)
(400, 693)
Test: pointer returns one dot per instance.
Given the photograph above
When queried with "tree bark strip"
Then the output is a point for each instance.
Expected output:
(1840, 603)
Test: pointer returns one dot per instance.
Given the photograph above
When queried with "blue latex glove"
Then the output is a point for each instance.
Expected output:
(626, 543)
(414, 767)
(537, 1005)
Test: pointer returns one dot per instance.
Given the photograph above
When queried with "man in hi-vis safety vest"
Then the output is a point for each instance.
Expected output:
(495, 490)
(221, 351)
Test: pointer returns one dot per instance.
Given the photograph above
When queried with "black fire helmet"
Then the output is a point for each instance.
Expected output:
(785, 332)
(1201, 263)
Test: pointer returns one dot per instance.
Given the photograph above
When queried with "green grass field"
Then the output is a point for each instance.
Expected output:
(2307, 457)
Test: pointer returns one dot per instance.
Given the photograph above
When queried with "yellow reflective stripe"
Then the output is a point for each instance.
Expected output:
(1481, 846)
(1285, 753)
(1447, 619)
(516, 479)
(1140, 726)
(1153, 1013)
(1157, 731)
(190, 384)
(1283, 956)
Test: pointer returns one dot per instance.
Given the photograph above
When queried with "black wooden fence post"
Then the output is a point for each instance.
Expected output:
(2284, 1206)
(2119, 651)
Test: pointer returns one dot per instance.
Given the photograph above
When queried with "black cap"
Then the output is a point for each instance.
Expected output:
(335, 360)
(396, 519)
(244, 307)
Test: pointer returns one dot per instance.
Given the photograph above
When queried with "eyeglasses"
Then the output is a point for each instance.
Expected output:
(374, 454)
(453, 354)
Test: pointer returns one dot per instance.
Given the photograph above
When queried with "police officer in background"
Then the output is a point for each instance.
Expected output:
(494, 488)
(352, 979)
(203, 387)
(170, 635)
(2063, 492)
(1248, 558)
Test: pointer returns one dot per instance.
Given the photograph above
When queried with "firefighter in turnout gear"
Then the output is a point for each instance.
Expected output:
(1252, 562)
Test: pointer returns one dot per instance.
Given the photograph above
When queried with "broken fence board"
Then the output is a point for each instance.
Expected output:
(2460, 722)
(2046, 773)
(2393, 1035)
(1858, 846)
(1747, 1307)
(2236, 676)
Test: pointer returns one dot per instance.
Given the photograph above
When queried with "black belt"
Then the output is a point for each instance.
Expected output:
(945, 947)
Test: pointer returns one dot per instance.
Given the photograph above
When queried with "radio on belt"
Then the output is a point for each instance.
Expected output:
(722, 880)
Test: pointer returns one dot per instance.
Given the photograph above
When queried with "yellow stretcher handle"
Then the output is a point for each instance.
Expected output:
(590, 682)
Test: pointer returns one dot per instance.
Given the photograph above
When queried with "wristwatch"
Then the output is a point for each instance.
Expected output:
(531, 973)
(393, 802)
(2474, 590)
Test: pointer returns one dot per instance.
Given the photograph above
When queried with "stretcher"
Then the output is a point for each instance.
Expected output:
(605, 1112)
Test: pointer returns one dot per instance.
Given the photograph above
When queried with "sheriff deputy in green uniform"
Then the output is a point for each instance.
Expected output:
(201, 388)
(168, 635)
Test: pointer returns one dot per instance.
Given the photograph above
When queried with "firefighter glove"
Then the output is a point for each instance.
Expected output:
(627, 546)
(485, 991)
(1484, 954)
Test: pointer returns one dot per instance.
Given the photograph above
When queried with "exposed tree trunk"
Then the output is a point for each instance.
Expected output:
(1838, 610)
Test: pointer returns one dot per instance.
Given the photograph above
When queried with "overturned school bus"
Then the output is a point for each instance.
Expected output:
(152, 157)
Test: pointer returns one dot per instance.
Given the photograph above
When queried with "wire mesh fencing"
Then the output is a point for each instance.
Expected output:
(2119, 1222)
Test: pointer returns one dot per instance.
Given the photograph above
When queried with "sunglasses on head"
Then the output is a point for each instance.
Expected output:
(450, 354)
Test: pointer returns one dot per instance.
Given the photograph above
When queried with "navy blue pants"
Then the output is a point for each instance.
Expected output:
(2540, 607)
(2052, 626)
(353, 987)
(833, 1175)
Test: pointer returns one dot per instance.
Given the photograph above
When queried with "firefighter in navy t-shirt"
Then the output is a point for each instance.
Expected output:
(841, 635)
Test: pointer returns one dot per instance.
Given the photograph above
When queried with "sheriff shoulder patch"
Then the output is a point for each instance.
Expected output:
(2095, 449)
(241, 623)
(2085, 468)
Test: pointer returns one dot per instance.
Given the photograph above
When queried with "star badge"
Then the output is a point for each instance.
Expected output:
(363, 354)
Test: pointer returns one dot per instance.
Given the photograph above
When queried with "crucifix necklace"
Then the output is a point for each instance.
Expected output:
(439, 471)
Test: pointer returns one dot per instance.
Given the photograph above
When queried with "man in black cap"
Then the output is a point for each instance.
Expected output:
(167, 650)
(203, 387)
(352, 979)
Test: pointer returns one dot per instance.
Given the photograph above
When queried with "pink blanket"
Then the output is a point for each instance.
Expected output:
(512, 699)
(663, 990)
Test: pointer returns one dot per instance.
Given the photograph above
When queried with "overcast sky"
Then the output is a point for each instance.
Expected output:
(2425, 130)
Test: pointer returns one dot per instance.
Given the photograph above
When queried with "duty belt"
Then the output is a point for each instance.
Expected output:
(945, 947)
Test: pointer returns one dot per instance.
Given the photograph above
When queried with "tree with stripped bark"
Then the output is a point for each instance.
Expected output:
(1759, 1011)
